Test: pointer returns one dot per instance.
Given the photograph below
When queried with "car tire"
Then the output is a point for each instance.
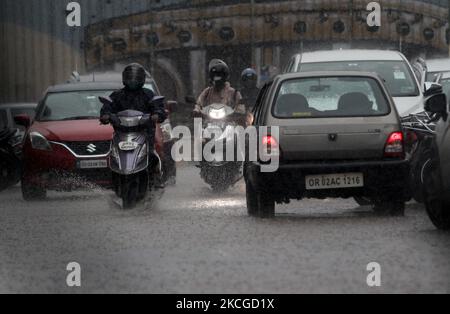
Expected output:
(252, 200)
(266, 205)
(31, 192)
(392, 208)
(439, 213)
(259, 204)
(438, 209)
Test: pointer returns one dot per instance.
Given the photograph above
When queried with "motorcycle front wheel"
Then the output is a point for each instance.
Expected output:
(129, 190)
(133, 189)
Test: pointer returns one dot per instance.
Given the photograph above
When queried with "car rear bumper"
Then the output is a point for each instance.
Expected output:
(382, 179)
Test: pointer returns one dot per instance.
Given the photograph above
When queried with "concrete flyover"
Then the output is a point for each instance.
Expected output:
(263, 34)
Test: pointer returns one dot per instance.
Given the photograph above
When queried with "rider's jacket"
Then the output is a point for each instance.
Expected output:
(227, 96)
(139, 100)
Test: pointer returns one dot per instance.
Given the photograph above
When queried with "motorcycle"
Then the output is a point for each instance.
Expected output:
(221, 119)
(10, 165)
(135, 165)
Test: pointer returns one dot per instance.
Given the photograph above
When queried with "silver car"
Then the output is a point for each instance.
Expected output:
(437, 172)
(405, 88)
(339, 136)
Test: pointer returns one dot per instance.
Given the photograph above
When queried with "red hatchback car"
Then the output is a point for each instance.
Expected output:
(65, 146)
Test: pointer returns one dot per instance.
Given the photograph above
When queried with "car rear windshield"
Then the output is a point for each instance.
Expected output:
(397, 75)
(326, 97)
(72, 105)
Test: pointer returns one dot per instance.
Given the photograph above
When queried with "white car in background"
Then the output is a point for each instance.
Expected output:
(391, 66)
(435, 67)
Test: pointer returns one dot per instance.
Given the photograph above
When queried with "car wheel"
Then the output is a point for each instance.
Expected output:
(437, 208)
(439, 213)
(4, 175)
(31, 192)
(392, 208)
(252, 200)
(266, 205)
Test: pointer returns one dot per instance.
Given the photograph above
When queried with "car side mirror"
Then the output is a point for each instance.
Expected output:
(190, 100)
(23, 120)
(437, 104)
(432, 89)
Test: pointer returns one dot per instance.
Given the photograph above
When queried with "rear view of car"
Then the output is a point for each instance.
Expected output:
(339, 136)
(391, 66)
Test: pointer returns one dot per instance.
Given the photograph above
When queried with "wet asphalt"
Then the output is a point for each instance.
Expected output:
(191, 240)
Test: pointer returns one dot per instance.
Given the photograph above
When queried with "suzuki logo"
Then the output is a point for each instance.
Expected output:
(91, 148)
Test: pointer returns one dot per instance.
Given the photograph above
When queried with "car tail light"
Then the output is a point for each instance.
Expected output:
(270, 146)
(395, 145)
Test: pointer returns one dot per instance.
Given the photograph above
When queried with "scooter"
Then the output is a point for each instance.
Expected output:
(10, 165)
(221, 174)
(135, 165)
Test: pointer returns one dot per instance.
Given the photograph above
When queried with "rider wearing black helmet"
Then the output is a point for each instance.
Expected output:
(134, 97)
(249, 90)
(220, 90)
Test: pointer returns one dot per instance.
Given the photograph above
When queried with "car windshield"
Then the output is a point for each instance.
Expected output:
(398, 77)
(72, 105)
(330, 97)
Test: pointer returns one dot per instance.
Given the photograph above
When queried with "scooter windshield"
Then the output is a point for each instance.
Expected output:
(130, 118)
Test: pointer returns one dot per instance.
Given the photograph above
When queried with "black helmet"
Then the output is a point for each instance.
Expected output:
(133, 76)
(218, 72)
(249, 75)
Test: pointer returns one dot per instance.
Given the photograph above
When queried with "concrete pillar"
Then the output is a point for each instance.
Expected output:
(276, 55)
(258, 65)
(198, 70)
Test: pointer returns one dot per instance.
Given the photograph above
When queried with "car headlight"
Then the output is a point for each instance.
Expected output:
(38, 141)
(217, 113)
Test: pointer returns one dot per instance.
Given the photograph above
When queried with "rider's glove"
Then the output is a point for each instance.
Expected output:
(105, 119)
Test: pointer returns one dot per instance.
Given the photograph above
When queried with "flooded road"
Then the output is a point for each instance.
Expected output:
(192, 240)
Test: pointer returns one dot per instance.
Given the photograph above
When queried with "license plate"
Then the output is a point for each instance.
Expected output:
(127, 146)
(334, 181)
(92, 164)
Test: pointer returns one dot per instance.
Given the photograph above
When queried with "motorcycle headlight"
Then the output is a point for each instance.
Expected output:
(39, 142)
(217, 114)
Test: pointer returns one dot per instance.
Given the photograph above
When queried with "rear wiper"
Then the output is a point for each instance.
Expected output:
(81, 118)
